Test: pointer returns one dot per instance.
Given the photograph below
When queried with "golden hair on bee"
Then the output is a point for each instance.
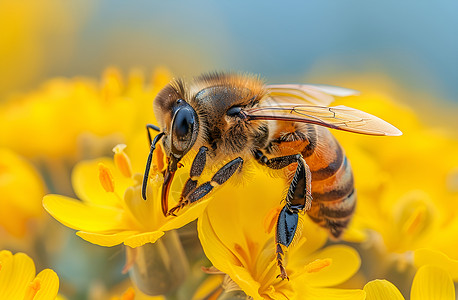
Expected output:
(248, 81)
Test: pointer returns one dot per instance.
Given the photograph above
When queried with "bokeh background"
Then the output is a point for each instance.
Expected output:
(407, 49)
(412, 42)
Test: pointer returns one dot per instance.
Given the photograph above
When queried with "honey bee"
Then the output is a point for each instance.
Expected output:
(236, 118)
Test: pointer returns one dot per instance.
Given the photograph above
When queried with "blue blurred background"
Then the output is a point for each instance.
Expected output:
(414, 42)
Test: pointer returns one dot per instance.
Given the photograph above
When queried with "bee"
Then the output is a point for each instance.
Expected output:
(236, 118)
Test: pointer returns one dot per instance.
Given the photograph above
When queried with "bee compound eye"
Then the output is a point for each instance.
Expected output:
(184, 130)
(234, 111)
(183, 124)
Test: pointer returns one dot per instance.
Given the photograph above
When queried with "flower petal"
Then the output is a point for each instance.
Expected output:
(432, 282)
(314, 293)
(49, 285)
(215, 250)
(4, 256)
(382, 290)
(143, 238)
(313, 237)
(87, 186)
(246, 282)
(16, 273)
(234, 219)
(208, 287)
(186, 217)
(83, 216)
(436, 258)
(106, 240)
(240, 206)
(345, 262)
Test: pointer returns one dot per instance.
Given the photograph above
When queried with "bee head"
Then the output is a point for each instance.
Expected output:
(178, 120)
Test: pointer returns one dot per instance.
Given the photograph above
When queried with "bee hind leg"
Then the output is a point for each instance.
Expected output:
(287, 224)
(297, 199)
(191, 192)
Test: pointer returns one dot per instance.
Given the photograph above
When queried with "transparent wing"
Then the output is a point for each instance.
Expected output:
(336, 117)
(316, 94)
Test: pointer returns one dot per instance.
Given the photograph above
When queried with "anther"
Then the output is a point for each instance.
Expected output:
(122, 161)
(416, 219)
(271, 219)
(318, 265)
(105, 177)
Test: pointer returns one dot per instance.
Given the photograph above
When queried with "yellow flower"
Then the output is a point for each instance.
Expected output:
(25, 47)
(78, 118)
(21, 190)
(18, 280)
(407, 191)
(69, 120)
(436, 258)
(430, 283)
(236, 234)
(112, 210)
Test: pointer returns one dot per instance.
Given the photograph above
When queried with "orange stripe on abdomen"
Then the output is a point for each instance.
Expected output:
(333, 193)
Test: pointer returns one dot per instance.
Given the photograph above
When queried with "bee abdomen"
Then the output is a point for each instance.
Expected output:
(333, 192)
(335, 210)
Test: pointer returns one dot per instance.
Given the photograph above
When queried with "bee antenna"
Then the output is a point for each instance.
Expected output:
(153, 127)
(148, 162)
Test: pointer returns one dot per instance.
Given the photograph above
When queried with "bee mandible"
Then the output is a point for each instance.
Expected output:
(236, 118)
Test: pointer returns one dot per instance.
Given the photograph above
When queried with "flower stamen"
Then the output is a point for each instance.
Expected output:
(106, 178)
(271, 218)
(122, 161)
(241, 255)
(415, 220)
(159, 159)
(317, 265)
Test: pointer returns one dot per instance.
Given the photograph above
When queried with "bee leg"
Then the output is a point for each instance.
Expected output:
(197, 168)
(220, 177)
(297, 200)
(300, 189)
(287, 224)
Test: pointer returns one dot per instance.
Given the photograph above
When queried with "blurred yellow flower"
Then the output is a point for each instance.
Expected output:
(406, 191)
(430, 283)
(24, 28)
(132, 294)
(72, 116)
(436, 258)
(210, 288)
(18, 280)
(21, 190)
(68, 120)
(112, 210)
(236, 234)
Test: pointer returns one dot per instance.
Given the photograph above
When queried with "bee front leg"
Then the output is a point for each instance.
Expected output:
(197, 168)
(191, 193)
(298, 199)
